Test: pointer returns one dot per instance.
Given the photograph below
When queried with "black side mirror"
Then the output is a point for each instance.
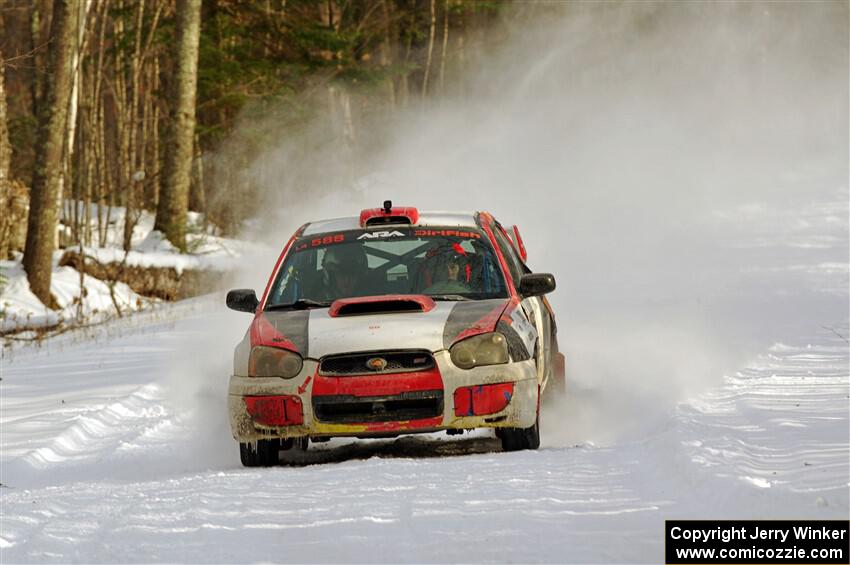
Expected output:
(536, 284)
(242, 300)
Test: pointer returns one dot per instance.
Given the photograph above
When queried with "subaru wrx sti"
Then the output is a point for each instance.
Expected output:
(394, 322)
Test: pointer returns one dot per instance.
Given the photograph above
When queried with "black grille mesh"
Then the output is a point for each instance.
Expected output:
(356, 363)
(403, 407)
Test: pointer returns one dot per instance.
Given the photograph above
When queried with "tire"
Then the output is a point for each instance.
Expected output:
(262, 454)
(518, 439)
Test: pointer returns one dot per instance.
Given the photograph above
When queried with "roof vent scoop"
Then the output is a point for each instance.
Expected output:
(387, 215)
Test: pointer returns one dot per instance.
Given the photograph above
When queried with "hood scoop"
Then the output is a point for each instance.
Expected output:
(385, 304)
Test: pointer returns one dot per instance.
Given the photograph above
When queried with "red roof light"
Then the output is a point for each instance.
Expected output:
(388, 215)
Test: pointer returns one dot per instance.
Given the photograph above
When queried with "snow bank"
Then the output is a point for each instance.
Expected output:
(21, 309)
(213, 253)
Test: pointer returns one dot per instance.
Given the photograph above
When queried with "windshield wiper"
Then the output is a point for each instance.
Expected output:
(447, 297)
(300, 304)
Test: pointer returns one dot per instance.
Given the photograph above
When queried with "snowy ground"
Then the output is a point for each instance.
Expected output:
(111, 455)
(115, 448)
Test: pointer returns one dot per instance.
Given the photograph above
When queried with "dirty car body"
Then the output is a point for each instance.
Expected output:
(391, 323)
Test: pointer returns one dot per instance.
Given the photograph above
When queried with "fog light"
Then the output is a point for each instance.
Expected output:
(482, 399)
(275, 410)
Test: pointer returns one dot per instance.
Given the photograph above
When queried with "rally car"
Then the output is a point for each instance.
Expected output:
(394, 322)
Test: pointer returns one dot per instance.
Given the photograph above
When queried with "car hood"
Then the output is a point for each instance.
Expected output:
(315, 333)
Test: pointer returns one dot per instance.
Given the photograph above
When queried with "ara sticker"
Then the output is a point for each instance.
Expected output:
(380, 234)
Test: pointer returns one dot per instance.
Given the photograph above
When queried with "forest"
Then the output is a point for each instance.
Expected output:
(129, 104)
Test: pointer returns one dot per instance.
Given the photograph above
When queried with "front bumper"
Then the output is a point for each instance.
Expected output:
(451, 400)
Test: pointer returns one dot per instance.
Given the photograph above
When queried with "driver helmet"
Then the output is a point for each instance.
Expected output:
(457, 255)
(338, 259)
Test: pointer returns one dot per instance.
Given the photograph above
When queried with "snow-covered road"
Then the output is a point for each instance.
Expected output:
(120, 453)
(115, 445)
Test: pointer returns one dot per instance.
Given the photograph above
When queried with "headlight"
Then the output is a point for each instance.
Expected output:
(484, 349)
(273, 362)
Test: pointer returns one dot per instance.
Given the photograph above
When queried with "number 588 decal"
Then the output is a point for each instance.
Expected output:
(319, 241)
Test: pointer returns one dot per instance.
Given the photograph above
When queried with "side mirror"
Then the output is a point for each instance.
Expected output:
(536, 284)
(242, 300)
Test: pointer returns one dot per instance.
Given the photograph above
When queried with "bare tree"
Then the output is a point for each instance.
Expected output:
(444, 47)
(5, 159)
(177, 169)
(73, 107)
(431, 34)
(387, 47)
(47, 175)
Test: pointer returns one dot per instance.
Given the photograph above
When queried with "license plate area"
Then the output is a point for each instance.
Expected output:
(349, 409)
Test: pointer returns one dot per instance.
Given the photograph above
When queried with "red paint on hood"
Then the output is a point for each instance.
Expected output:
(487, 323)
(263, 332)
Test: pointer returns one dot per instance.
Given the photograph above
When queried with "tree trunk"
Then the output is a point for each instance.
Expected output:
(73, 107)
(445, 47)
(460, 53)
(431, 34)
(386, 50)
(152, 179)
(197, 194)
(404, 80)
(131, 126)
(37, 58)
(5, 160)
(177, 169)
(38, 254)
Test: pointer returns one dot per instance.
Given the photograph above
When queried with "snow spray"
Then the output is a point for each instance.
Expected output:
(645, 150)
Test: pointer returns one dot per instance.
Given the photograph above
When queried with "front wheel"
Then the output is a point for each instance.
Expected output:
(517, 439)
(262, 453)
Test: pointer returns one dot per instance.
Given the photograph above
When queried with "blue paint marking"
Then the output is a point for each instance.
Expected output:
(507, 396)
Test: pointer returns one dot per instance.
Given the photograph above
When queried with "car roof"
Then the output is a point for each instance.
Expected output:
(435, 218)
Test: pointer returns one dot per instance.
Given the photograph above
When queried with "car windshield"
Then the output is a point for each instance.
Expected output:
(445, 263)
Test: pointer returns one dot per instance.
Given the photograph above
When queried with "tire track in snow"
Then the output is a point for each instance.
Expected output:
(104, 429)
(411, 505)
(781, 423)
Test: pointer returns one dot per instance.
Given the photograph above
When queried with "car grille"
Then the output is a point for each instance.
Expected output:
(358, 410)
(356, 363)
